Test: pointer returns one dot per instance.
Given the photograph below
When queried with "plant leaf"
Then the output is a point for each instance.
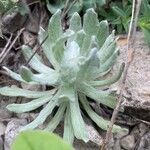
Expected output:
(77, 120)
(90, 22)
(110, 81)
(26, 107)
(43, 78)
(57, 118)
(102, 123)
(35, 62)
(103, 32)
(16, 92)
(75, 22)
(45, 112)
(103, 97)
(39, 140)
(68, 135)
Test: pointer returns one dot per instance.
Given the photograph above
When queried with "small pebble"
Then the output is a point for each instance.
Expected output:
(128, 142)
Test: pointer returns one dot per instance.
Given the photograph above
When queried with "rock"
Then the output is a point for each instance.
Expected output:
(119, 135)
(12, 130)
(94, 135)
(2, 129)
(5, 114)
(128, 142)
(117, 145)
(1, 144)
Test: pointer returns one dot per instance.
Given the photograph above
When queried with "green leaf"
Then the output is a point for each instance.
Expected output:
(80, 37)
(47, 48)
(146, 32)
(102, 123)
(89, 65)
(90, 22)
(106, 67)
(15, 92)
(58, 47)
(68, 92)
(57, 118)
(45, 112)
(110, 81)
(77, 121)
(108, 48)
(119, 12)
(26, 107)
(14, 75)
(75, 22)
(103, 32)
(100, 96)
(47, 78)
(68, 135)
(39, 140)
(35, 62)
(54, 27)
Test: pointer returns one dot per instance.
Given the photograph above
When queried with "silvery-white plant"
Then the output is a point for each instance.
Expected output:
(81, 57)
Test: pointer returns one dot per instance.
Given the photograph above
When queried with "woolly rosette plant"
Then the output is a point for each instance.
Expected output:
(80, 57)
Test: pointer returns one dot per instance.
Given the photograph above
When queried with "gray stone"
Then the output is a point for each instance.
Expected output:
(5, 114)
(128, 142)
(12, 130)
(1, 144)
(2, 129)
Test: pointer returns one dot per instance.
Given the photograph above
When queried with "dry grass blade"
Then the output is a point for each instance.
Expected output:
(11, 45)
(130, 55)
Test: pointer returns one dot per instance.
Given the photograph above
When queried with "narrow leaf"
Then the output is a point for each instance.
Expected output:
(45, 112)
(100, 96)
(103, 32)
(68, 135)
(26, 107)
(57, 118)
(43, 78)
(77, 121)
(17, 92)
(110, 81)
(102, 123)
(35, 62)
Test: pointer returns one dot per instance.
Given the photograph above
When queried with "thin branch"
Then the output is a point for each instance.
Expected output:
(11, 45)
(36, 50)
(6, 46)
(130, 52)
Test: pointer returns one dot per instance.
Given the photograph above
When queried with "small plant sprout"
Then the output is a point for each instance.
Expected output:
(81, 57)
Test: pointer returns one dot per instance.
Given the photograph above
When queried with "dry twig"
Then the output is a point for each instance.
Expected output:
(130, 55)
(11, 45)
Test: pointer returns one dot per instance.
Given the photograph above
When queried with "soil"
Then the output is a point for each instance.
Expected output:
(136, 97)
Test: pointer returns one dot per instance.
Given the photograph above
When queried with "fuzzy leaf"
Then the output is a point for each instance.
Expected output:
(110, 81)
(103, 32)
(14, 75)
(57, 118)
(68, 135)
(89, 65)
(15, 92)
(54, 27)
(75, 22)
(102, 123)
(45, 112)
(90, 22)
(47, 48)
(44, 78)
(68, 93)
(35, 62)
(103, 97)
(77, 121)
(108, 48)
(26, 107)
